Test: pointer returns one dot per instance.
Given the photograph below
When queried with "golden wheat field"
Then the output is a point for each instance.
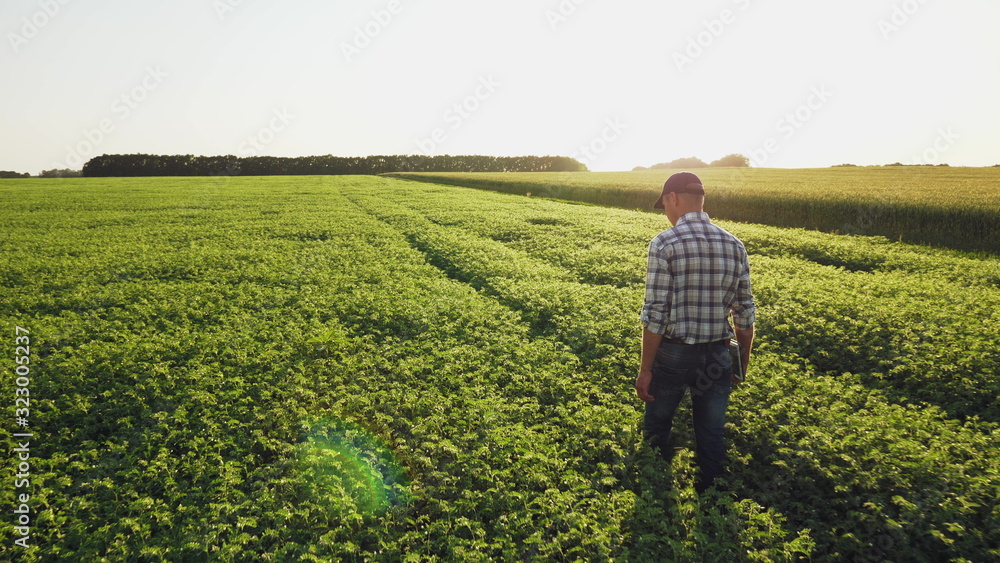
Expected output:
(942, 206)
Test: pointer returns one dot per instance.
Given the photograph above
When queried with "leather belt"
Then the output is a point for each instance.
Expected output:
(700, 345)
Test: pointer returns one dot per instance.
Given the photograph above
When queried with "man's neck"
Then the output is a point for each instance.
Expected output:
(689, 215)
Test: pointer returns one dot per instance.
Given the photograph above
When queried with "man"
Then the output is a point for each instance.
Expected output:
(697, 276)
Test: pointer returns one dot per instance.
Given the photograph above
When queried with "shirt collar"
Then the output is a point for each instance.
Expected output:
(694, 216)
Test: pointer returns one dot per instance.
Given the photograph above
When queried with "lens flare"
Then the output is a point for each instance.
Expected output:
(344, 466)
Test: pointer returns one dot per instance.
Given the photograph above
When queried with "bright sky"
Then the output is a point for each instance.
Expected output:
(618, 84)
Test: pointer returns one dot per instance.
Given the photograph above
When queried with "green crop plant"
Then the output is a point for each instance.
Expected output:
(371, 369)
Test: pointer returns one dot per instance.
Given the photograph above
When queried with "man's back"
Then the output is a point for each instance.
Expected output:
(697, 274)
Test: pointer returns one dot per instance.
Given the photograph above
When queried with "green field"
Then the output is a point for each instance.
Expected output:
(946, 207)
(373, 369)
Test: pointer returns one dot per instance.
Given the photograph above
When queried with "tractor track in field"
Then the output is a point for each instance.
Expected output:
(552, 301)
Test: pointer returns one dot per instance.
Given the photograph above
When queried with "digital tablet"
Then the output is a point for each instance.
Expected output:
(736, 358)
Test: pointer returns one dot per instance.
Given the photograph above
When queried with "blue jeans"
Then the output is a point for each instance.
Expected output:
(706, 370)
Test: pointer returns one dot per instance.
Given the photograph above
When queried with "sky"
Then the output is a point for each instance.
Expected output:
(615, 84)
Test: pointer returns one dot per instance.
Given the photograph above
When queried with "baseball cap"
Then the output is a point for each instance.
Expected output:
(682, 183)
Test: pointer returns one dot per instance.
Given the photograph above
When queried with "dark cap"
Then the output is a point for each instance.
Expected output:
(682, 183)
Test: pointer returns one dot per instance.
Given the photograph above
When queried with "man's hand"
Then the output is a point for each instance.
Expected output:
(650, 343)
(745, 338)
(642, 385)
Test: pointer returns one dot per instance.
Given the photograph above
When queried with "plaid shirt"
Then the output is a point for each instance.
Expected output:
(697, 274)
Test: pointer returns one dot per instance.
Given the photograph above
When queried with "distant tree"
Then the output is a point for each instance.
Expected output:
(895, 164)
(60, 173)
(732, 161)
(118, 165)
(690, 162)
(640, 168)
(844, 166)
(9, 174)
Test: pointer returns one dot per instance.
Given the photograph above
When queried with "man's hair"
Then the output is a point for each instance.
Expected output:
(691, 198)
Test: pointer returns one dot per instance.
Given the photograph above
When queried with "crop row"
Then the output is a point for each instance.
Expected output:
(249, 370)
(893, 314)
(878, 476)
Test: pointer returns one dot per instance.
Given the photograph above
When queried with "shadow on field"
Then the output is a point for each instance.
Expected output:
(668, 522)
(671, 522)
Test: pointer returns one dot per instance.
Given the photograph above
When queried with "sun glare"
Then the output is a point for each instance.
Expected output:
(347, 469)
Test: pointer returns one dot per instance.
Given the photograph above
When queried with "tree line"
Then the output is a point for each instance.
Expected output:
(734, 160)
(54, 173)
(190, 165)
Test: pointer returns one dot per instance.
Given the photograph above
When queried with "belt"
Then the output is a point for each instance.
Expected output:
(699, 345)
